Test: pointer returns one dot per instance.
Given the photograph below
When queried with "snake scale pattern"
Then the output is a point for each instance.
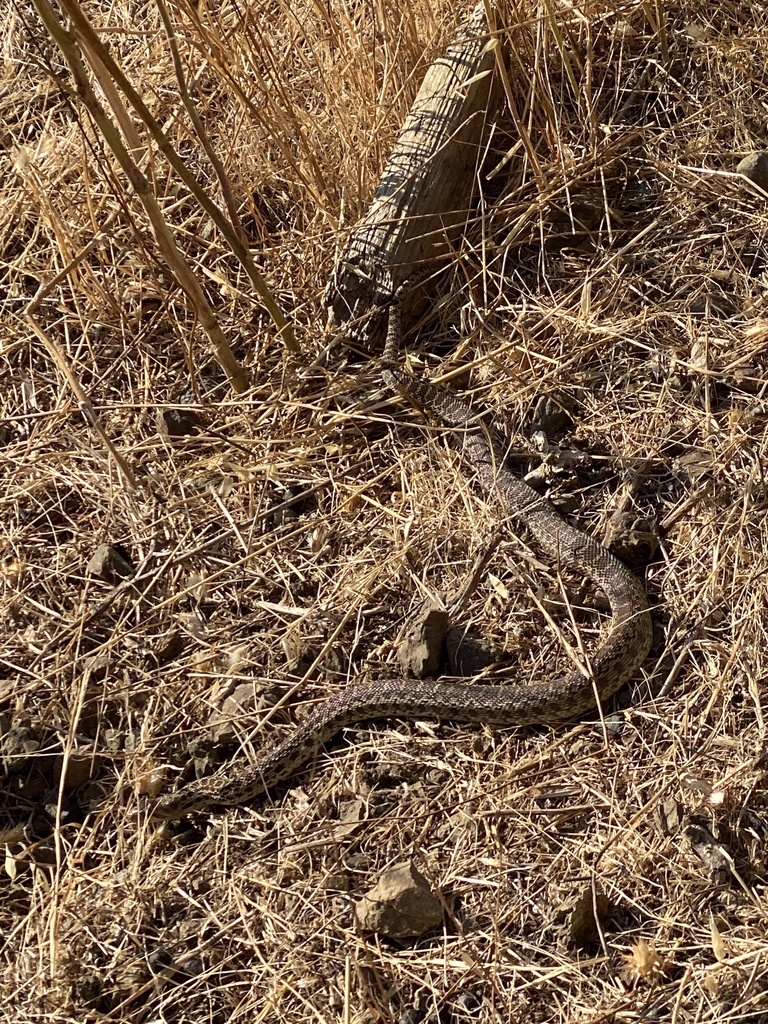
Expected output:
(610, 666)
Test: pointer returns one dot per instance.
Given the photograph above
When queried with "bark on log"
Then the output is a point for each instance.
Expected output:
(423, 198)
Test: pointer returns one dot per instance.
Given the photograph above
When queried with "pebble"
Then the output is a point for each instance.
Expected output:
(755, 167)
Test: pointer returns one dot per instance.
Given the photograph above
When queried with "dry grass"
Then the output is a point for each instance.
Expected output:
(616, 260)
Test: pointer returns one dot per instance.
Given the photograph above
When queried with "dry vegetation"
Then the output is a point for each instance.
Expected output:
(616, 262)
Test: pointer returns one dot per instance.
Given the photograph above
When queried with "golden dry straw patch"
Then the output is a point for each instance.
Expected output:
(615, 263)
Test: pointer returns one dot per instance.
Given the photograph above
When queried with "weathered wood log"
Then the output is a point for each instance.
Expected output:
(424, 196)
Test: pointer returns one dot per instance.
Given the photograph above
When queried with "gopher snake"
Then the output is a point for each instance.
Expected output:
(610, 666)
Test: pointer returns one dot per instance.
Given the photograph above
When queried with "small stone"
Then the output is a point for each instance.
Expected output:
(552, 414)
(713, 855)
(583, 926)
(401, 905)
(336, 882)
(633, 539)
(111, 564)
(637, 194)
(693, 464)
(80, 768)
(614, 724)
(178, 422)
(18, 744)
(420, 652)
(538, 477)
(240, 704)
(351, 814)
(755, 167)
(352, 811)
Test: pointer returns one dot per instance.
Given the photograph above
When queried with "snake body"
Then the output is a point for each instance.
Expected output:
(611, 665)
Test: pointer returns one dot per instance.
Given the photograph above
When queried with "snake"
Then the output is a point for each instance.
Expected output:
(549, 701)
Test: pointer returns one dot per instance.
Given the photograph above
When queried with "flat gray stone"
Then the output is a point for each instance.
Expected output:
(109, 564)
(401, 905)
(755, 167)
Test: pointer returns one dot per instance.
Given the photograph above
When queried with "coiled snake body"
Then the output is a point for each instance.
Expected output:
(611, 665)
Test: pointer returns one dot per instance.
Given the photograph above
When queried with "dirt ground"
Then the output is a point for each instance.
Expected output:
(271, 545)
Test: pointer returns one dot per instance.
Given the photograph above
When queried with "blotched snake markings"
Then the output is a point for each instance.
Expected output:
(611, 665)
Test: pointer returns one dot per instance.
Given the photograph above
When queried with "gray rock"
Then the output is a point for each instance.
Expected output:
(110, 564)
(178, 422)
(80, 768)
(755, 167)
(633, 539)
(422, 648)
(586, 919)
(714, 856)
(19, 743)
(552, 414)
(401, 905)
(238, 705)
